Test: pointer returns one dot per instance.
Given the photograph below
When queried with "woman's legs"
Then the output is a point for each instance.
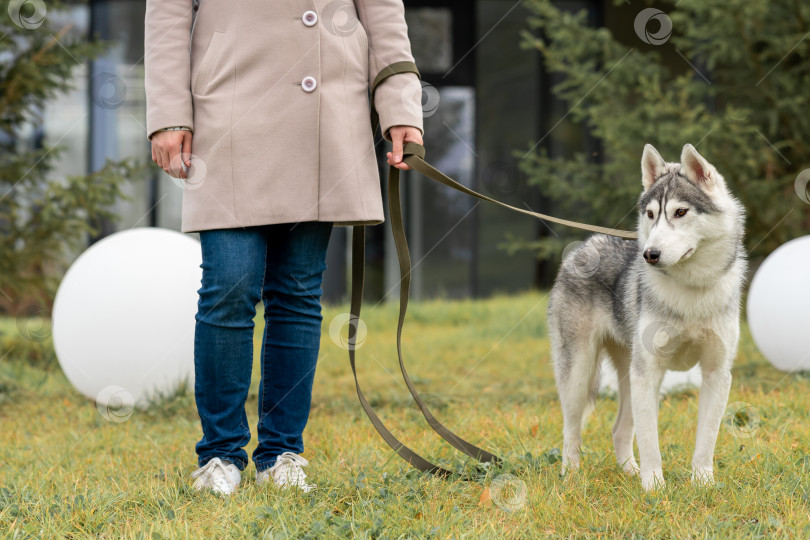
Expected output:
(233, 268)
(296, 259)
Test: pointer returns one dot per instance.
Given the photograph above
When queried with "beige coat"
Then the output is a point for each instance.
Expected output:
(276, 93)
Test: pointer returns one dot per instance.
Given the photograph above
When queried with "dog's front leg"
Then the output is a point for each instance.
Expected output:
(645, 382)
(712, 402)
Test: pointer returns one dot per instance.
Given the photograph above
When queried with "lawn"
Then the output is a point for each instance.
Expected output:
(483, 366)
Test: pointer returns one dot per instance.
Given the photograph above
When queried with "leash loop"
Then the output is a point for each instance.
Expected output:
(358, 271)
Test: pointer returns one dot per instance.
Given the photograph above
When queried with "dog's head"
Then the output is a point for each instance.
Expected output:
(683, 207)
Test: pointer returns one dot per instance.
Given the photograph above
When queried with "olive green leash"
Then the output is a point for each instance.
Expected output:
(413, 155)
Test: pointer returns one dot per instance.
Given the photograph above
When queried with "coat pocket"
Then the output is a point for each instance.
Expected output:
(208, 64)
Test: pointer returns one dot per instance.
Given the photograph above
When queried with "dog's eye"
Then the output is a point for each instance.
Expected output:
(650, 214)
(680, 212)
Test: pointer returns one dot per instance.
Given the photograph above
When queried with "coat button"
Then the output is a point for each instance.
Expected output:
(309, 84)
(310, 18)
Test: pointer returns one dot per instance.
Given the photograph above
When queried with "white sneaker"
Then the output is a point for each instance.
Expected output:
(286, 472)
(219, 476)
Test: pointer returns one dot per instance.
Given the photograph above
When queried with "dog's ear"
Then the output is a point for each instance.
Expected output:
(696, 168)
(652, 166)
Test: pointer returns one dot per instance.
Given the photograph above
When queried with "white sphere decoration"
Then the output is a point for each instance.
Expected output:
(779, 306)
(124, 318)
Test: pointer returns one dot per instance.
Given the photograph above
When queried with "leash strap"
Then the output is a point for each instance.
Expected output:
(401, 242)
(358, 271)
(413, 155)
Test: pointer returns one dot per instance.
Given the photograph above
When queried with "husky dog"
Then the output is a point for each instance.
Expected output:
(667, 301)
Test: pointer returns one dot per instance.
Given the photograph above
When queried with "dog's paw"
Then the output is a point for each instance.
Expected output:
(702, 476)
(652, 480)
(569, 465)
(630, 467)
(568, 470)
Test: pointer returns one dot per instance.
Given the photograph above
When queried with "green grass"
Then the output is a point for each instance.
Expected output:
(483, 366)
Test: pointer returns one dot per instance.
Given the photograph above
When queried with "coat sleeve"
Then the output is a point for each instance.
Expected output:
(167, 64)
(398, 99)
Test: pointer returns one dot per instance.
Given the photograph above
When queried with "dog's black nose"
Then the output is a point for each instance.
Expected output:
(652, 255)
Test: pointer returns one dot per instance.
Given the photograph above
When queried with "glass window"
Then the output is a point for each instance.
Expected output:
(508, 87)
(118, 115)
(65, 117)
(440, 219)
(431, 35)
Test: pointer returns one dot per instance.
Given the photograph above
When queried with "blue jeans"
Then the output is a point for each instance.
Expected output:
(281, 264)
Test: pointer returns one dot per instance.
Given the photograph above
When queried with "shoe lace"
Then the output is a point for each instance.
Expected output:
(288, 469)
(216, 471)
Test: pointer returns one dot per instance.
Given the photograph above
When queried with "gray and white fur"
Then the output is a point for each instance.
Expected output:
(667, 301)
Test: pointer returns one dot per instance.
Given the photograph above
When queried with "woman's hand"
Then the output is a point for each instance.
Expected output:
(399, 136)
(166, 147)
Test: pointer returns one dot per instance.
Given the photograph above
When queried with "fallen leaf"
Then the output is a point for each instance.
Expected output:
(486, 497)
